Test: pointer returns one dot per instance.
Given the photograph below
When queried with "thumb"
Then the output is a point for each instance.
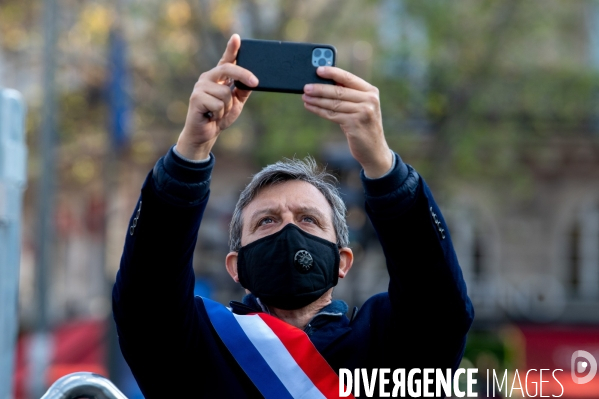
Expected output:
(230, 53)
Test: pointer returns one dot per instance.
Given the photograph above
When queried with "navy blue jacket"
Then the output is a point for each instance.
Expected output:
(171, 347)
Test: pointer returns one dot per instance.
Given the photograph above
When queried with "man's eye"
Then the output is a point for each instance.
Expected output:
(266, 221)
(309, 219)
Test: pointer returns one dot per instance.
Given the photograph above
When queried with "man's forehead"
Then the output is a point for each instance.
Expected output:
(293, 194)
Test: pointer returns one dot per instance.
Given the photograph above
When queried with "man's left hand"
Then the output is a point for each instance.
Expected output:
(354, 104)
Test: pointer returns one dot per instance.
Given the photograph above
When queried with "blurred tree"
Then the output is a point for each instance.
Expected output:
(502, 76)
(464, 85)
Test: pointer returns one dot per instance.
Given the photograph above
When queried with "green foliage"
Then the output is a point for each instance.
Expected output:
(286, 129)
(465, 85)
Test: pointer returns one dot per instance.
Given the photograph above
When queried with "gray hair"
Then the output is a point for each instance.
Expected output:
(292, 169)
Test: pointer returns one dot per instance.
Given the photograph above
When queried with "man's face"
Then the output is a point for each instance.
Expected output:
(292, 201)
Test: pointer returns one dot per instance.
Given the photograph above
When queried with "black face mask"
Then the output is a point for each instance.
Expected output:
(290, 268)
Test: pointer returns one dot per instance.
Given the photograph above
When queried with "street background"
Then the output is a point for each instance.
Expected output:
(495, 103)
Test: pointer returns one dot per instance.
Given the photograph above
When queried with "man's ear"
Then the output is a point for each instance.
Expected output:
(231, 262)
(346, 260)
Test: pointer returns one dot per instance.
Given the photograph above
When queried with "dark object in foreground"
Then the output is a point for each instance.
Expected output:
(284, 67)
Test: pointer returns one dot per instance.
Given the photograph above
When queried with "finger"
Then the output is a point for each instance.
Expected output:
(344, 78)
(228, 93)
(211, 107)
(334, 92)
(241, 95)
(221, 92)
(332, 104)
(331, 115)
(230, 54)
(224, 71)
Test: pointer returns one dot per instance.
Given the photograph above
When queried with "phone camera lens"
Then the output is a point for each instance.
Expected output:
(328, 53)
(317, 53)
(322, 62)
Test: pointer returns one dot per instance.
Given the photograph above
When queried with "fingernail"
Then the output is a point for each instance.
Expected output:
(253, 81)
(308, 88)
(320, 69)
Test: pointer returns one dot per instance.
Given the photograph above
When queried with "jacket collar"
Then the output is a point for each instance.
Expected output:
(325, 327)
(332, 312)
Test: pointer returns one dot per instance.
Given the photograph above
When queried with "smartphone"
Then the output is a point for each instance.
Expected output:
(284, 67)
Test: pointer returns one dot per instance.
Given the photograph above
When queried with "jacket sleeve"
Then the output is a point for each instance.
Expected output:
(426, 314)
(153, 299)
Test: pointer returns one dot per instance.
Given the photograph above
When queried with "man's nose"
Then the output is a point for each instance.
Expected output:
(286, 219)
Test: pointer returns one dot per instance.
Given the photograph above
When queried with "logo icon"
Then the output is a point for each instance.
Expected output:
(303, 261)
(582, 366)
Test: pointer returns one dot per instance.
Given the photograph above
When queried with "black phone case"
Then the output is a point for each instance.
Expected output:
(283, 67)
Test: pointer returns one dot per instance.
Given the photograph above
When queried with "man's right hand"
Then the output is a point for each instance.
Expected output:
(214, 94)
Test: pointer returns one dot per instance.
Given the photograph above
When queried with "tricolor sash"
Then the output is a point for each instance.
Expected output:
(279, 358)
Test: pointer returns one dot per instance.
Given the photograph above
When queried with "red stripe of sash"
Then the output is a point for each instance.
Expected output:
(306, 355)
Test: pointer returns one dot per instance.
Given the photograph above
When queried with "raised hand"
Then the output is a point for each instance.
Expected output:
(214, 104)
(354, 104)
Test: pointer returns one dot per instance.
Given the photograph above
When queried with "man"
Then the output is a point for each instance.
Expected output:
(288, 247)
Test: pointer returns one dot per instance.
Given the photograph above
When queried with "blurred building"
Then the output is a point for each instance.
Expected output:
(535, 259)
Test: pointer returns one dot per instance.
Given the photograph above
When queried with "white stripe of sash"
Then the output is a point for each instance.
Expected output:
(278, 358)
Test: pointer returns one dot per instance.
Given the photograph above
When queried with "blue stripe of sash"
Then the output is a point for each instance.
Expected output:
(244, 352)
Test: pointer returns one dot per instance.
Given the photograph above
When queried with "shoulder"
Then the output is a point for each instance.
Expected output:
(375, 310)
